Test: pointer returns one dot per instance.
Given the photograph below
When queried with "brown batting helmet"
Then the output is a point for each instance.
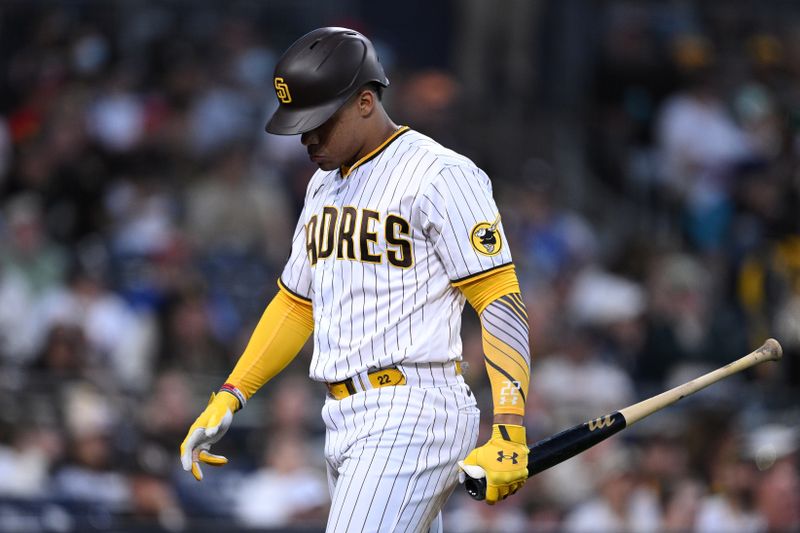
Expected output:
(317, 74)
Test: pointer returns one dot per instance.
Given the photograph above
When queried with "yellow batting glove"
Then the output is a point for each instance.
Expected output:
(504, 459)
(209, 427)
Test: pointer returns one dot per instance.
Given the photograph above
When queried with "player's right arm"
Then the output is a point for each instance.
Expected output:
(277, 339)
(281, 332)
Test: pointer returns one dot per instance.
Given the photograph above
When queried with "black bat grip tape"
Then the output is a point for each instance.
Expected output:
(560, 447)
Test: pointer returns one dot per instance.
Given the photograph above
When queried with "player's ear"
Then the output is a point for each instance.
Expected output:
(365, 102)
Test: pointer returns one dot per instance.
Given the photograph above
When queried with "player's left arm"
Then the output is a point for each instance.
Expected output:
(504, 329)
(460, 217)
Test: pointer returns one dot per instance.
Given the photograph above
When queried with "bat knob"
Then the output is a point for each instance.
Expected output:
(476, 488)
(474, 479)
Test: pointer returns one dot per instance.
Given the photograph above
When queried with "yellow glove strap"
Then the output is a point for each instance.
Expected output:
(509, 432)
(227, 399)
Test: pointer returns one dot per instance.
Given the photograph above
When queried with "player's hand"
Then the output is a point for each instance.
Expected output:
(504, 459)
(209, 427)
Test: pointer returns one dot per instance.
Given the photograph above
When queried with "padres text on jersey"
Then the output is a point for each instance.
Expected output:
(378, 248)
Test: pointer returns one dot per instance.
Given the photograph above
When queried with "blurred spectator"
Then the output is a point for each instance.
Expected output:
(119, 341)
(730, 506)
(293, 406)
(682, 505)
(682, 324)
(116, 120)
(620, 505)
(549, 241)
(90, 472)
(700, 143)
(428, 100)
(778, 497)
(141, 214)
(476, 517)
(25, 463)
(774, 448)
(65, 357)
(229, 211)
(153, 500)
(598, 299)
(760, 120)
(219, 117)
(89, 476)
(575, 381)
(284, 490)
(163, 419)
(18, 339)
(188, 342)
(768, 289)
(664, 470)
(27, 249)
(31, 267)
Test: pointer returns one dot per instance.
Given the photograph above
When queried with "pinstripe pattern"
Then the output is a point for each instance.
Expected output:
(391, 454)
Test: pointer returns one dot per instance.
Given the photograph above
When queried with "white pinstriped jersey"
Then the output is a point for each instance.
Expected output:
(377, 252)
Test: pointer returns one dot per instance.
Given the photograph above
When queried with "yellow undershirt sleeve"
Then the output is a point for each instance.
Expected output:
(481, 291)
(504, 331)
(277, 339)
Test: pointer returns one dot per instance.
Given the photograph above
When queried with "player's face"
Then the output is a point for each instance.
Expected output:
(337, 141)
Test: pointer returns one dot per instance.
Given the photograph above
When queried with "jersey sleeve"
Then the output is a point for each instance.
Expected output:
(296, 275)
(460, 217)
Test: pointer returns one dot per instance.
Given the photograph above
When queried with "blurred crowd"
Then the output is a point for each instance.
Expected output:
(650, 193)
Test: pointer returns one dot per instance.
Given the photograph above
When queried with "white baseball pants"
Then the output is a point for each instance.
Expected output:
(391, 454)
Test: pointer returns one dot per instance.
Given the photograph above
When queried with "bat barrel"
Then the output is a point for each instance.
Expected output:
(769, 351)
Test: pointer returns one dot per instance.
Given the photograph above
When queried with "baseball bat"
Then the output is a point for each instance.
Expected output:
(570, 442)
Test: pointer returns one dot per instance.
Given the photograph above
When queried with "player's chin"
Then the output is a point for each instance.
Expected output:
(325, 164)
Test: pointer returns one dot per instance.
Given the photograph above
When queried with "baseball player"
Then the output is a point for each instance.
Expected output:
(396, 233)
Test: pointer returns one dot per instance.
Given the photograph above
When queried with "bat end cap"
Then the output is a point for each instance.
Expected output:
(773, 349)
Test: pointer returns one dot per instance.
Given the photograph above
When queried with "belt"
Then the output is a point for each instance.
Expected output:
(374, 379)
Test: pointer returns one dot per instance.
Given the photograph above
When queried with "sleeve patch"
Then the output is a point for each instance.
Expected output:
(485, 238)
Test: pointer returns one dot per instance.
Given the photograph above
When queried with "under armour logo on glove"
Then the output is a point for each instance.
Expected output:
(501, 456)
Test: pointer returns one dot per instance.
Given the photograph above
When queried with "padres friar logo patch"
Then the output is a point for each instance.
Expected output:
(282, 91)
(486, 239)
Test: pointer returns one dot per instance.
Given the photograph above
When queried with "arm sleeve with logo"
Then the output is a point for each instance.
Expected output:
(504, 330)
(461, 218)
